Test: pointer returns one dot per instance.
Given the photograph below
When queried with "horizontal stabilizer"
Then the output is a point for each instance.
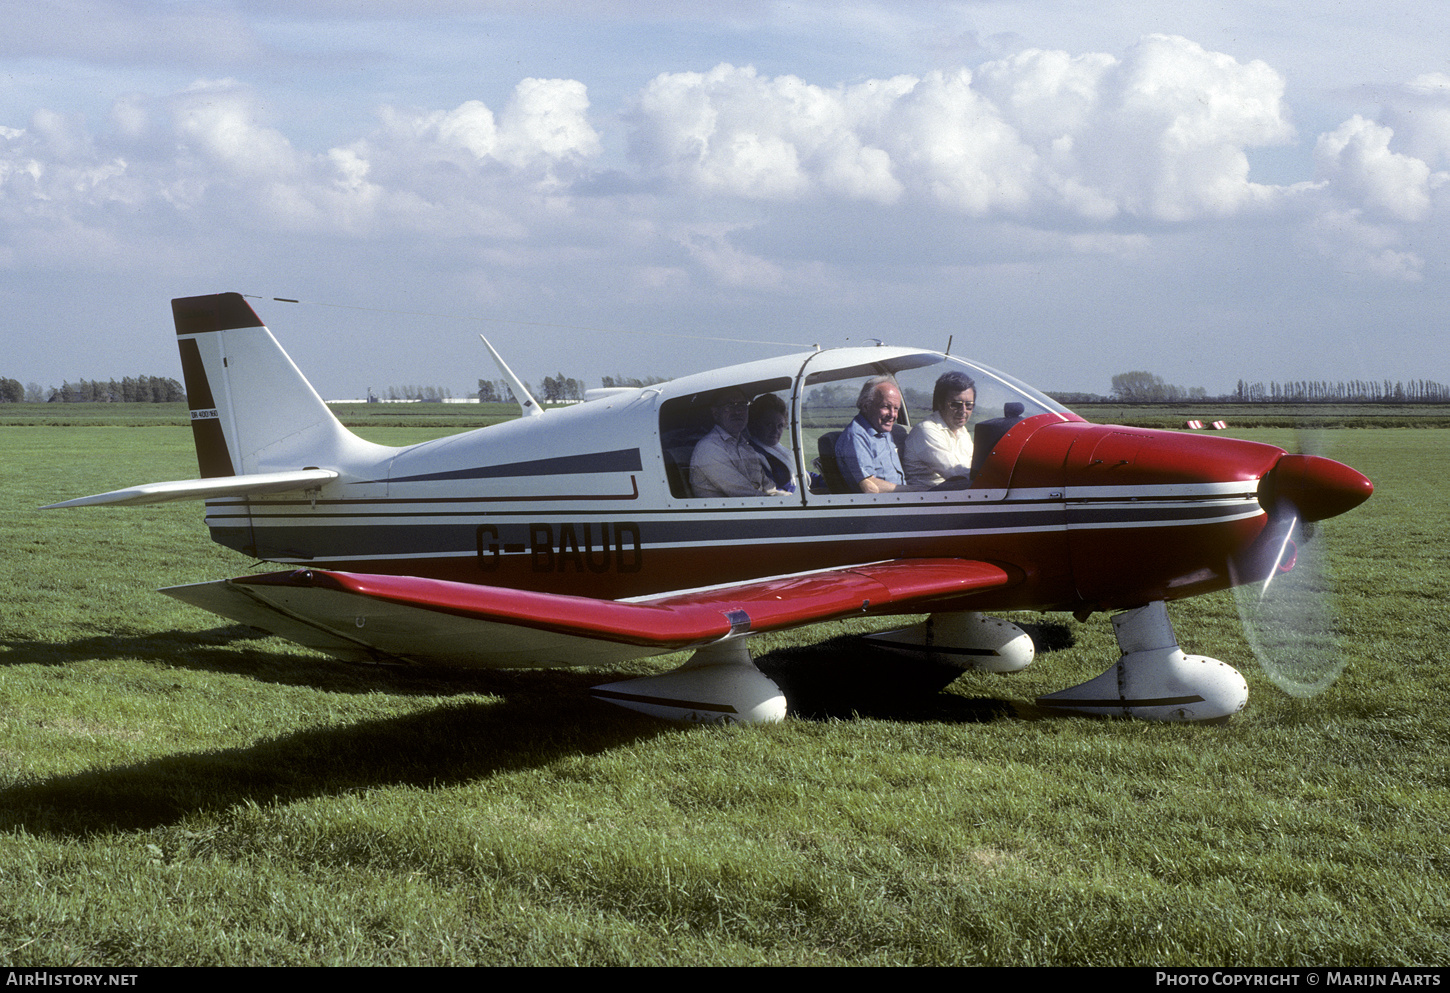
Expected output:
(357, 615)
(205, 489)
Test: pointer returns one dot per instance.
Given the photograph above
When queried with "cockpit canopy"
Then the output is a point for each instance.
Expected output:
(818, 392)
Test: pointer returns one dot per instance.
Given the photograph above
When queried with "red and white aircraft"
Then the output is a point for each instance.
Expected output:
(573, 537)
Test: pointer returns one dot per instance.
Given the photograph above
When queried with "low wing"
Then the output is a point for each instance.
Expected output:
(205, 489)
(364, 617)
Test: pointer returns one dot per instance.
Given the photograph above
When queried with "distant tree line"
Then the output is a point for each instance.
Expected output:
(132, 389)
(1145, 387)
(495, 391)
(843, 396)
(1350, 391)
(614, 382)
(557, 389)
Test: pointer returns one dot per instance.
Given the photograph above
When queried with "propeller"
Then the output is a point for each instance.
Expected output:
(1282, 587)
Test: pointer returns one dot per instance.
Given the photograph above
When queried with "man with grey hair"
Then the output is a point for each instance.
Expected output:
(865, 451)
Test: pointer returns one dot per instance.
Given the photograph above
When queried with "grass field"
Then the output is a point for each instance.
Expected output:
(1271, 415)
(175, 791)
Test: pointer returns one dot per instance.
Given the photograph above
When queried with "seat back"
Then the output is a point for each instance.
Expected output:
(826, 452)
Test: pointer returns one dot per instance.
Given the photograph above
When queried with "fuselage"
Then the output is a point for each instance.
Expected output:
(594, 499)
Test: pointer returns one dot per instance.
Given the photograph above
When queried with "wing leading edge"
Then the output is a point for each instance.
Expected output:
(363, 617)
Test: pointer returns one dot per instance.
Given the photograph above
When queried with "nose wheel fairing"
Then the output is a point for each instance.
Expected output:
(1154, 679)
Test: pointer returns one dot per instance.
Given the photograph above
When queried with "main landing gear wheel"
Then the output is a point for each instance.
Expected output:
(966, 640)
(719, 685)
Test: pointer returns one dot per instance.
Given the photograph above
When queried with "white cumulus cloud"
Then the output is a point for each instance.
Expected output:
(1088, 149)
(1419, 114)
(1356, 159)
(221, 122)
(1160, 133)
(544, 122)
(1359, 247)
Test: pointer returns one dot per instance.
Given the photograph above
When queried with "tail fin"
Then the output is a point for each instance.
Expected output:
(252, 410)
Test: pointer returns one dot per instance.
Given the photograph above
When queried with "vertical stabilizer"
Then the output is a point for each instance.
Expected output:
(252, 410)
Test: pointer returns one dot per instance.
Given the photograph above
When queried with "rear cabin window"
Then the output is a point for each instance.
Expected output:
(733, 442)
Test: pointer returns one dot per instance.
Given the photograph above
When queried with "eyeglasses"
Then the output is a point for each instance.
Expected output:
(960, 405)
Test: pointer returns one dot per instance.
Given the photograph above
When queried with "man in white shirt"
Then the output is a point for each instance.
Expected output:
(940, 447)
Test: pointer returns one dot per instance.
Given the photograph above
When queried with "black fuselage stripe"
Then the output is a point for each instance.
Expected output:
(621, 460)
(352, 530)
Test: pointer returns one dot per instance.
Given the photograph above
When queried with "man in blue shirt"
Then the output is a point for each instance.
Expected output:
(865, 451)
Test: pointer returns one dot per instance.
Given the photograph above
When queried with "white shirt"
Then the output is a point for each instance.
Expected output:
(934, 452)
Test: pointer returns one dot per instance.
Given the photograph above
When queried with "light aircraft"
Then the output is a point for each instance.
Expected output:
(573, 536)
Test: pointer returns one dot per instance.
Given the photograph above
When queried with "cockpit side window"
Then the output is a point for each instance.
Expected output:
(832, 419)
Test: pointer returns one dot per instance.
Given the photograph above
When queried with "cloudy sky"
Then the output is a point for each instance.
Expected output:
(1209, 191)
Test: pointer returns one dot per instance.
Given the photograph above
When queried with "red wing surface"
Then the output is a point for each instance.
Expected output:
(379, 618)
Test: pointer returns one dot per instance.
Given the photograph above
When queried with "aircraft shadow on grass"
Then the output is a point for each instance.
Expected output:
(832, 679)
(447, 745)
(236, 649)
(849, 677)
(537, 717)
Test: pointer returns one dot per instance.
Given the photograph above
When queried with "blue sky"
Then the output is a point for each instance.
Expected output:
(1206, 191)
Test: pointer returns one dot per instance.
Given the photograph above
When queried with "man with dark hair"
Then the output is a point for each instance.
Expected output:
(940, 447)
(865, 451)
(766, 424)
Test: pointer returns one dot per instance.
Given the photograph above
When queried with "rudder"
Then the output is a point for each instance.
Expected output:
(252, 410)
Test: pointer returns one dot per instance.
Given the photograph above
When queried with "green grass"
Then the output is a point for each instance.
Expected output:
(176, 791)
(1244, 416)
